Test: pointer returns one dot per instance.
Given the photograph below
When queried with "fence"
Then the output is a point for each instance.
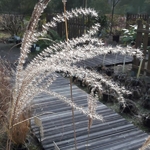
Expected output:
(143, 38)
(132, 18)
(76, 26)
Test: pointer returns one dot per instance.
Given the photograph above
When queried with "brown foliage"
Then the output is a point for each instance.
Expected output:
(12, 23)
(5, 89)
(18, 132)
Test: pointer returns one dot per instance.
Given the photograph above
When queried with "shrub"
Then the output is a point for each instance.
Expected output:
(13, 23)
(129, 35)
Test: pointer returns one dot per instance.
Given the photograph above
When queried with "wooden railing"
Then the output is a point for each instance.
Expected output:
(132, 19)
(142, 42)
(76, 27)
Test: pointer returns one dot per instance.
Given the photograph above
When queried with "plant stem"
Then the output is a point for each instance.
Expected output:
(104, 59)
(139, 70)
(88, 140)
(115, 61)
(123, 69)
(73, 120)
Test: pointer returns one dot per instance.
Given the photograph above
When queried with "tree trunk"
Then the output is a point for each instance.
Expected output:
(112, 17)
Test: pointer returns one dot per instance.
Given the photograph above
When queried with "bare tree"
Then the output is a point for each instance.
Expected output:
(113, 5)
(12, 23)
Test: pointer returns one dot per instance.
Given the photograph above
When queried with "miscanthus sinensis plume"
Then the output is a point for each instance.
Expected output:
(57, 57)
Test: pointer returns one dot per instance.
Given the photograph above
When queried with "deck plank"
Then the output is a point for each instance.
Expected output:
(114, 133)
(110, 60)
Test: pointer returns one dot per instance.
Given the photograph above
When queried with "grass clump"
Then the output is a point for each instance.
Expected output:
(39, 74)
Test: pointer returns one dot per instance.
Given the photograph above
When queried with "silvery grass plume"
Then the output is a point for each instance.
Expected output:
(59, 56)
(99, 81)
(29, 80)
(92, 104)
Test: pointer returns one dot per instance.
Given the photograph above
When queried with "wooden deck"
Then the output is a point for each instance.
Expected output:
(114, 133)
(110, 60)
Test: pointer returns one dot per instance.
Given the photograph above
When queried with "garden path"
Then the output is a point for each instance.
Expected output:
(110, 60)
(9, 53)
(114, 133)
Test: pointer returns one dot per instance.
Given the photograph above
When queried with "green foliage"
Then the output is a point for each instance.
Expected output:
(129, 35)
(49, 39)
(133, 6)
(17, 6)
(124, 6)
(57, 5)
(100, 5)
(54, 35)
(74, 4)
(102, 20)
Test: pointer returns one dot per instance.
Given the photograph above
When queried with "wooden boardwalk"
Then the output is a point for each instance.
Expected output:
(110, 60)
(114, 133)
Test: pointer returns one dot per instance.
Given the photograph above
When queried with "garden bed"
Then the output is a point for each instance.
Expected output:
(137, 103)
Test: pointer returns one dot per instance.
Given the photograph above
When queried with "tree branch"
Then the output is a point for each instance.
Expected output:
(115, 2)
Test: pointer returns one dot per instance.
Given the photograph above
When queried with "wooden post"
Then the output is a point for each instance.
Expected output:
(66, 25)
(138, 43)
(139, 70)
(145, 43)
(148, 65)
(139, 34)
(128, 18)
